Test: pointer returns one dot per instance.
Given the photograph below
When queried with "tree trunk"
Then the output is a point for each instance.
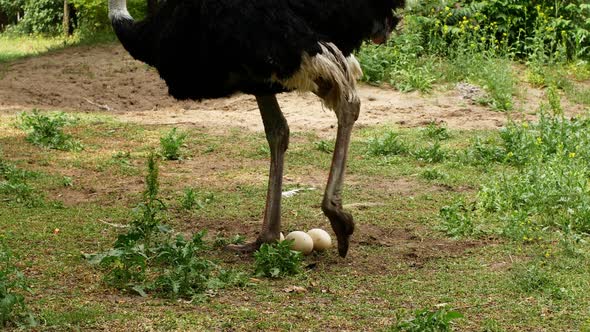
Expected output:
(3, 20)
(66, 21)
(152, 6)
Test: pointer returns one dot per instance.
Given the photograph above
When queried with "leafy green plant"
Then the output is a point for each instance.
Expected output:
(547, 191)
(149, 258)
(482, 152)
(46, 130)
(426, 320)
(186, 274)
(323, 146)
(436, 131)
(433, 153)
(386, 145)
(171, 144)
(277, 260)
(456, 220)
(126, 265)
(14, 183)
(190, 199)
(13, 286)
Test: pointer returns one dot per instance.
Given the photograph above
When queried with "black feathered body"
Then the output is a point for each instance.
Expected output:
(213, 48)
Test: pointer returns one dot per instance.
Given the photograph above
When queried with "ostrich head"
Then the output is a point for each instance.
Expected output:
(383, 27)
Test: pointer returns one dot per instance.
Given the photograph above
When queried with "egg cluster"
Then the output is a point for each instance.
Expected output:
(315, 239)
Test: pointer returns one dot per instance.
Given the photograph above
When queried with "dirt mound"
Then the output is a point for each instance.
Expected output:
(105, 78)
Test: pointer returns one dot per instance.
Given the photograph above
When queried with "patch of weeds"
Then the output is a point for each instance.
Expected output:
(171, 143)
(13, 286)
(433, 153)
(548, 190)
(324, 146)
(535, 278)
(46, 130)
(67, 181)
(433, 174)
(126, 264)
(263, 150)
(426, 320)
(498, 80)
(14, 183)
(491, 73)
(148, 258)
(482, 152)
(436, 131)
(122, 161)
(570, 243)
(221, 241)
(388, 144)
(457, 220)
(399, 63)
(190, 199)
(186, 274)
(277, 260)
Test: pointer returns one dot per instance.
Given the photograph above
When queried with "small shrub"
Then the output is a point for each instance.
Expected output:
(436, 132)
(126, 265)
(171, 144)
(428, 321)
(431, 154)
(189, 200)
(47, 130)
(277, 260)
(386, 145)
(186, 274)
(456, 220)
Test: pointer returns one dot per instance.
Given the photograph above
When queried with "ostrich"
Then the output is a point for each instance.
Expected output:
(214, 48)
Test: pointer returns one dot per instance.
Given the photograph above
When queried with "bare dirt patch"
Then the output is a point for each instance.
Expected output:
(106, 79)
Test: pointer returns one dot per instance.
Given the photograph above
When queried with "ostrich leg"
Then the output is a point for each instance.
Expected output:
(277, 135)
(341, 221)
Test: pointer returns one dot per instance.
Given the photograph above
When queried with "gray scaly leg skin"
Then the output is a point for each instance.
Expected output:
(341, 221)
(277, 135)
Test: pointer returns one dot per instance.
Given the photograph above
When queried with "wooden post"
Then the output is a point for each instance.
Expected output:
(66, 21)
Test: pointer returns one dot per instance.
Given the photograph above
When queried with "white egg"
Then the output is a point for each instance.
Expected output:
(281, 237)
(321, 239)
(301, 241)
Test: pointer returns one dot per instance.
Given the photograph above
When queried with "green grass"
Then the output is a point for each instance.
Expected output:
(400, 262)
(13, 47)
(491, 224)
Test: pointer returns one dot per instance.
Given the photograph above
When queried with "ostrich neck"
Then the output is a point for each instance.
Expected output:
(118, 10)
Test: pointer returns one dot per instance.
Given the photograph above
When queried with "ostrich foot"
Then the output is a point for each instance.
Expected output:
(244, 249)
(251, 247)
